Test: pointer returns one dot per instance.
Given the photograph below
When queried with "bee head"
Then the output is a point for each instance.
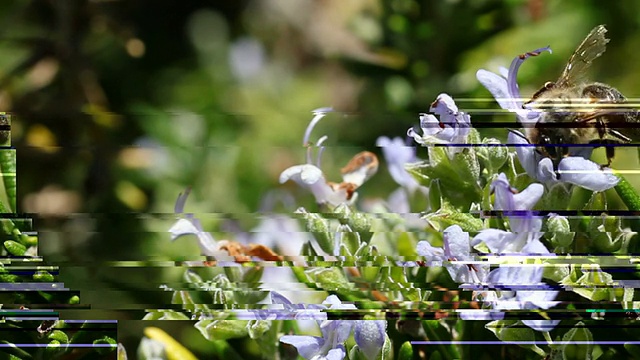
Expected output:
(551, 144)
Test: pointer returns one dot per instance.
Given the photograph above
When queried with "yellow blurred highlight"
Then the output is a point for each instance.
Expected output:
(173, 349)
(43, 72)
(101, 116)
(131, 195)
(136, 158)
(135, 47)
(40, 136)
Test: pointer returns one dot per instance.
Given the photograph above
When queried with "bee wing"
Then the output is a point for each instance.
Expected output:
(591, 47)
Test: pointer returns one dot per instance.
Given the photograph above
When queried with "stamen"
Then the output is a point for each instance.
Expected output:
(319, 114)
(514, 92)
(320, 150)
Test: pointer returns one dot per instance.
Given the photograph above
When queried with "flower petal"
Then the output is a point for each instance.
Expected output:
(496, 240)
(182, 227)
(444, 105)
(497, 86)
(336, 354)
(457, 242)
(586, 174)
(308, 346)
(541, 325)
(526, 154)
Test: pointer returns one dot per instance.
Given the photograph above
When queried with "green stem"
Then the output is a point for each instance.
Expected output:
(447, 352)
(631, 199)
(8, 168)
(628, 194)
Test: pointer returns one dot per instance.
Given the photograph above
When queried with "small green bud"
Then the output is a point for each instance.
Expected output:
(361, 224)
(330, 279)
(319, 227)
(191, 277)
(342, 212)
(222, 329)
(447, 216)
(465, 163)
(104, 350)
(560, 229)
(257, 328)
(15, 248)
(122, 352)
(43, 276)
(406, 351)
(59, 336)
(350, 239)
(75, 299)
(581, 335)
(496, 155)
(53, 349)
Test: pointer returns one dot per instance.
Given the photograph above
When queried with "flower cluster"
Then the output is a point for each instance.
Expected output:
(470, 218)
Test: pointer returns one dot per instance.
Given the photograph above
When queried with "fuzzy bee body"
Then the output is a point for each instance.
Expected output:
(573, 112)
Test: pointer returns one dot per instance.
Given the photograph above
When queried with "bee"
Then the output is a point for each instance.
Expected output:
(574, 112)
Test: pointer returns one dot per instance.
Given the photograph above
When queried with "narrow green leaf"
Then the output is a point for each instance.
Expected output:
(8, 168)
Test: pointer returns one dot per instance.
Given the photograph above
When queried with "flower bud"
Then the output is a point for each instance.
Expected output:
(319, 227)
(496, 156)
(559, 227)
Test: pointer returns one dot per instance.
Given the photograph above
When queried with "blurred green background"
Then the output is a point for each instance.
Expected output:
(120, 105)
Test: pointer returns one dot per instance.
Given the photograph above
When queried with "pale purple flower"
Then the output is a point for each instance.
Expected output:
(575, 169)
(397, 154)
(283, 309)
(281, 231)
(189, 225)
(455, 256)
(334, 333)
(517, 287)
(525, 228)
(309, 176)
(452, 128)
(246, 58)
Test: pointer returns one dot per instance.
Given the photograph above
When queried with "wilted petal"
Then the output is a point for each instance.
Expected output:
(308, 346)
(360, 168)
(586, 173)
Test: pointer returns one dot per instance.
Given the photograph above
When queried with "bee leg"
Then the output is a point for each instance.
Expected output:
(610, 150)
